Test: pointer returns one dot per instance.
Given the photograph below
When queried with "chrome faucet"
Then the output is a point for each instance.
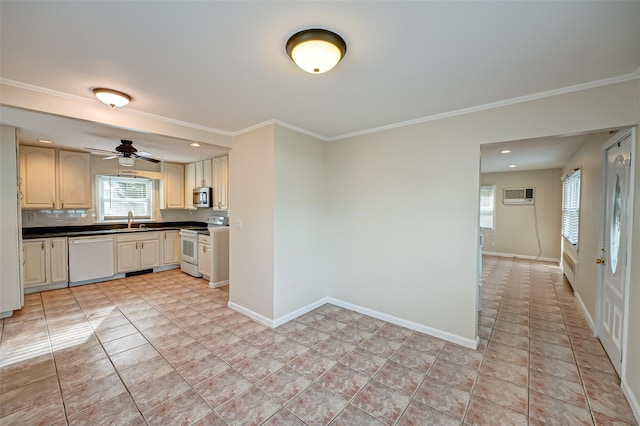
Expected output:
(129, 219)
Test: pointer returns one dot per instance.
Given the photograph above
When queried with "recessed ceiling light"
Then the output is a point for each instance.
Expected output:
(512, 166)
(505, 151)
(158, 156)
(195, 144)
(44, 141)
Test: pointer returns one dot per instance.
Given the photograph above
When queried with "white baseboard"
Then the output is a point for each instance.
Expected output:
(632, 399)
(251, 314)
(449, 337)
(522, 256)
(218, 284)
(592, 323)
(298, 312)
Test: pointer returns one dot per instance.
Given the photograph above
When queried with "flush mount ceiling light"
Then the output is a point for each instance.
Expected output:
(195, 144)
(111, 97)
(512, 166)
(126, 161)
(505, 151)
(316, 50)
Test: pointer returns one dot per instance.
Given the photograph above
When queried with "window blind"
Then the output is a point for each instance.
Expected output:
(571, 207)
(487, 206)
(119, 195)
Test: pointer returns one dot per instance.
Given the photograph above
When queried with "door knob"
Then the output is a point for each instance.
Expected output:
(600, 261)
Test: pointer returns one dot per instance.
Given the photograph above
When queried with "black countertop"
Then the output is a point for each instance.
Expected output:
(110, 229)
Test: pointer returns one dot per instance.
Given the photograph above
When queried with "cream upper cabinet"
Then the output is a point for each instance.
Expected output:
(38, 177)
(207, 166)
(49, 183)
(45, 261)
(171, 248)
(74, 171)
(173, 186)
(221, 182)
(189, 184)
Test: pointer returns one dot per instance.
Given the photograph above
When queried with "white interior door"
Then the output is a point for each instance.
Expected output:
(616, 231)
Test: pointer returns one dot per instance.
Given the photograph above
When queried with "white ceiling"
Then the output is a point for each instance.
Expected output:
(222, 65)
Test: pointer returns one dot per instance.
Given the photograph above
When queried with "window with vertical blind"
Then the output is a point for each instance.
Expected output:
(487, 206)
(119, 195)
(571, 207)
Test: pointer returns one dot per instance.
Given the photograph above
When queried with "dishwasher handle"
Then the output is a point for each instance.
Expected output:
(90, 240)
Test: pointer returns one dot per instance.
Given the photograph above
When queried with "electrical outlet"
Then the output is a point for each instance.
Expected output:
(237, 224)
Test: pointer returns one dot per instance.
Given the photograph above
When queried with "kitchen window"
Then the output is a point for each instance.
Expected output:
(120, 195)
(487, 206)
(571, 207)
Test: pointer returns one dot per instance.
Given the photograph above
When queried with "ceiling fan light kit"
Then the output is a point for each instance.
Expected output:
(316, 50)
(126, 161)
(111, 97)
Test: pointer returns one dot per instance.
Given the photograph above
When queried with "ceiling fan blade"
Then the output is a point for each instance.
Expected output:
(99, 150)
(111, 157)
(140, 157)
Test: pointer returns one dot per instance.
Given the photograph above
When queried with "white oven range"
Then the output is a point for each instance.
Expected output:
(189, 238)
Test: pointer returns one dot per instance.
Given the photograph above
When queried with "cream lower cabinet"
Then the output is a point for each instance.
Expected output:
(136, 252)
(171, 253)
(205, 255)
(45, 262)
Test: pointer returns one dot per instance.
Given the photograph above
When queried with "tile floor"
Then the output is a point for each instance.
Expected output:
(164, 349)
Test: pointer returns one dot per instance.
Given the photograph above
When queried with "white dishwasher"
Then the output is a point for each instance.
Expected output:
(90, 259)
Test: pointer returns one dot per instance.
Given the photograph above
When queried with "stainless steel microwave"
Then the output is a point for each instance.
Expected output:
(203, 197)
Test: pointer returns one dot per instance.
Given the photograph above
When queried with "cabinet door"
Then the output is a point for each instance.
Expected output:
(33, 256)
(204, 259)
(38, 177)
(199, 175)
(207, 167)
(128, 256)
(58, 260)
(189, 184)
(221, 173)
(173, 186)
(171, 247)
(149, 254)
(74, 171)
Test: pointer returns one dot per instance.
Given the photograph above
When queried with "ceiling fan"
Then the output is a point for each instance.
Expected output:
(126, 154)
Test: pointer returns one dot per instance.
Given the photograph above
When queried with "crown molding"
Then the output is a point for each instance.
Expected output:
(88, 101)
(463, 111)
(493, 105)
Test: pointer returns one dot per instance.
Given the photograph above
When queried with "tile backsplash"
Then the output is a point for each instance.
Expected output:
(82, 217)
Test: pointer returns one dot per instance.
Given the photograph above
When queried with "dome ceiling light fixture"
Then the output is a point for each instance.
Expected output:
(316, 50)
(111, 97)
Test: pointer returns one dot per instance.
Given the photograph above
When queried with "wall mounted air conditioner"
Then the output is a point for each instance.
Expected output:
(518, 196)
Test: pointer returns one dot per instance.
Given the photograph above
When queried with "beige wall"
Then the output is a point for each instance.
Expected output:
(10, 288)
(251, 250)
(631, 368)
(417, 261)
(300, 221)
(515, 231)
(589, 159)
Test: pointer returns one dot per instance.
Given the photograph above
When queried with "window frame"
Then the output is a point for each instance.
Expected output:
(492, 207)
(100, 199)
(571, 187)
